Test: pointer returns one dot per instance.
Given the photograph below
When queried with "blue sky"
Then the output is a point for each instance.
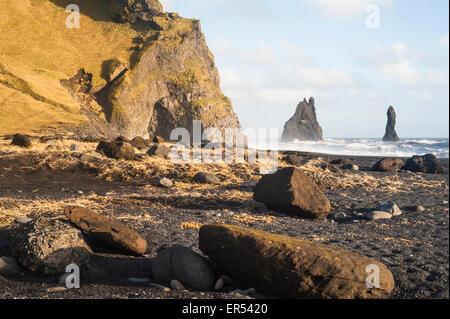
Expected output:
(273, 53)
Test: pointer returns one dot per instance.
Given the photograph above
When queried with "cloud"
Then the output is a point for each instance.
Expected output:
(347, 8)
(444, 41)
(407, 68)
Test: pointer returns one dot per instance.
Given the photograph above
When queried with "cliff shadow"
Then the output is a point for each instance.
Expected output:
(96, 10)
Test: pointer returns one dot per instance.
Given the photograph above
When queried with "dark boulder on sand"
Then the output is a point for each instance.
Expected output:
(286, 267)
(293, 160)
(291, 191)
(388, 165)
(206, 178)
(106, 230)
(21, 140)
(48, 245)
(159, 150)
(140, 143)
(303, 126)
(184, 265)
(428, 164)
(116, 149)
(391, 135)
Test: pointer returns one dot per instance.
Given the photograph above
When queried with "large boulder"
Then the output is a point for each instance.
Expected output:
(388, 165)
(106, 230)
(428, 164)
(116, 149)
(288, 267)
(186, 266)
(303, 126)
(290, 190)
(47, 246)
(391, 135)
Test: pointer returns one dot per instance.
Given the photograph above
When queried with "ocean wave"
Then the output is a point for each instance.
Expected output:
(368, 147)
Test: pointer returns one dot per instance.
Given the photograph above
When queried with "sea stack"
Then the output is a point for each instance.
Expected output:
(391, 135)
(303, 126)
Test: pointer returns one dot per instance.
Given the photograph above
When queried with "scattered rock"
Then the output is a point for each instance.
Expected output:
(332, 168)
(116, 149)
(184, 265)
(89, 156)
(419, 209)
(140, 143)
(122, 139)
(220, 283)
(391, 208)
(291, 191)
(206, 178)
(293, 160)
(21, 140)
(48, 246)
(303, 126)
(388, 165)
(9, 266)
(339, 215)
(106, 230)
(165, 182)
(159, 287)
(377, 215)
(352, 167)
(134, 10)
(22, 220)
(391, 135)
(75, 148)
(341, 162)
(428, 164)
(159, 150)
(287, 267)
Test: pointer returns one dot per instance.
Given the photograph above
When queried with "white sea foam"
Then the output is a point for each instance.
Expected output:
(371, 147)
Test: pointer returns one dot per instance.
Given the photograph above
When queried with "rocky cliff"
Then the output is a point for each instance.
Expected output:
(303, 126)
(130, 69)
(391, 135)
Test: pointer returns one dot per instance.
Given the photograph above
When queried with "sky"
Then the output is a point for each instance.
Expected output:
(355, 57)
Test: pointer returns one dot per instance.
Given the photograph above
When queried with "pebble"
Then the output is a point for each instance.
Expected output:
(391, 208)
(9, 266)
(339, 215)
(175, 284)
(227, 279)
(159, 287)
(377, 215)
(139, 280)
(22, 220)
(419, 209)
(165, 182)
(80, 192)
(219, 284)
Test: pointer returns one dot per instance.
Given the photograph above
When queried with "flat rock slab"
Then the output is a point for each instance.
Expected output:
(290, 190)
(288, 267)
(108, 231)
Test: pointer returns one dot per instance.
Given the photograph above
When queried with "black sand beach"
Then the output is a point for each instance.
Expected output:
(414, 246)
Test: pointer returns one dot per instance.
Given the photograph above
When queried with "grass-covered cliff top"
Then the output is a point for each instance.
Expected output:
(37, 50)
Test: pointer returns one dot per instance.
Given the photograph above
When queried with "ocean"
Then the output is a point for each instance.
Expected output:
(370, 147)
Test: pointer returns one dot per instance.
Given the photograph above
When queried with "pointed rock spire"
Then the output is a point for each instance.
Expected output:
(391, 135)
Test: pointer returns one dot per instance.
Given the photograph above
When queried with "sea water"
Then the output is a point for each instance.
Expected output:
(366, 147)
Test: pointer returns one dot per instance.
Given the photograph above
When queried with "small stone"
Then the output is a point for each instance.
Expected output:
(9, 266)
(165, 182)
(80, 192)
(89, 156)
(339, 215)
(75, 148)
(159, 287)
(175, 284)
(219, 284)
(206, 178)
(377, 215)
(21, 140)
(419, 209)
(391, 208)
(139, 280)
(159, 150)
(22, 220)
